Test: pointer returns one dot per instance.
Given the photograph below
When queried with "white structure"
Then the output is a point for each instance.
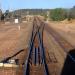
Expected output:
(19, 27)
(16, 21)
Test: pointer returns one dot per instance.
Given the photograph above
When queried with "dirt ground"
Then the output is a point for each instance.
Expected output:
(14, 37)
(66, 29)
(51, 46)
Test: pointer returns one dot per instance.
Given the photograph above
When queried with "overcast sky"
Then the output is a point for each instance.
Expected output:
(18, 4)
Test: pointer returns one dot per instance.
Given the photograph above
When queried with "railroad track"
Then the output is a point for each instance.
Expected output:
(63, 43)
(36, 60)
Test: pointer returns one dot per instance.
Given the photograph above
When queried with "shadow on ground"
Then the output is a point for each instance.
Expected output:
(69, 65)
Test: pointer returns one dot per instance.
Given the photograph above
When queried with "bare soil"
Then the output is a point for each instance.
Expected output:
(66, 29)
(14, 37)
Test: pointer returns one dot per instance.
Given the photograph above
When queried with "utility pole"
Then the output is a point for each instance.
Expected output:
(47, 15)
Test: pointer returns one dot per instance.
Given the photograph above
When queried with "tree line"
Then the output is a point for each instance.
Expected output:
(57, 14)
(60, 14)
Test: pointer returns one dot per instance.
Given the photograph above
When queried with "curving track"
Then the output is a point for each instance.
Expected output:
(39, 60)
(36, 61)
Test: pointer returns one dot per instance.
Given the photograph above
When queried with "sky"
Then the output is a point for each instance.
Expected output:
(44, 4)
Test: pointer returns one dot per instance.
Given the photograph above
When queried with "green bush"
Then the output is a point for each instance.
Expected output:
(57, 14)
